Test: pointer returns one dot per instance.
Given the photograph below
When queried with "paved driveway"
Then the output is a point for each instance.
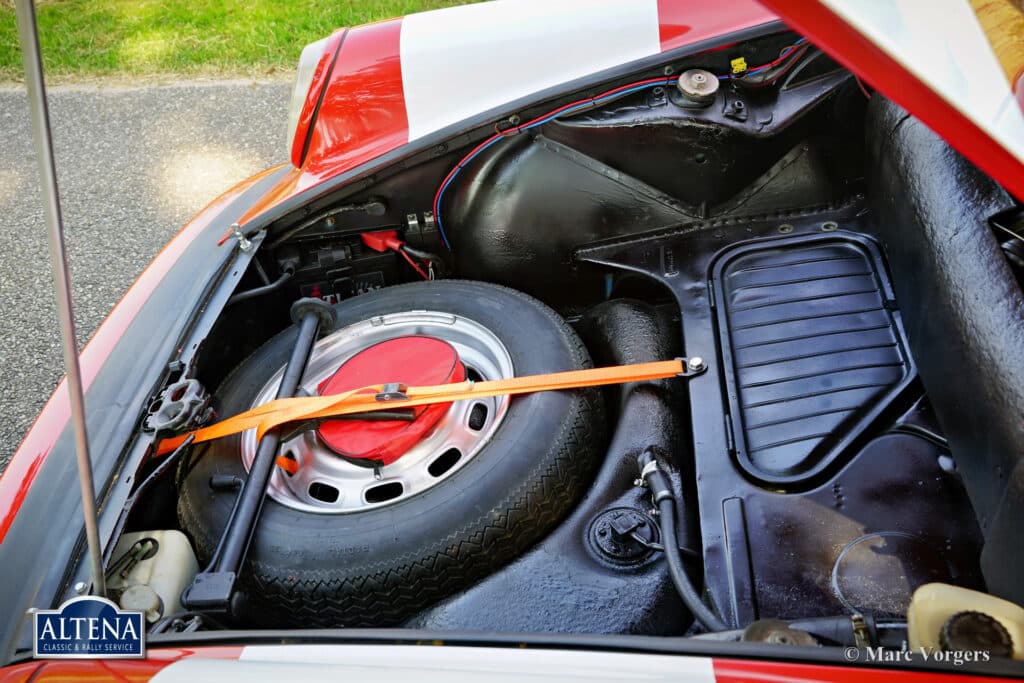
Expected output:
(134, 163)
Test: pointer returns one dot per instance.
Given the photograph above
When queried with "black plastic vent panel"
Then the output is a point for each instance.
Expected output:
(812, 349)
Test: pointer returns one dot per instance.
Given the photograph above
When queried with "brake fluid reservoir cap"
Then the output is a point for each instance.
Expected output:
(698, 86)
(412, 361)
(975, 632)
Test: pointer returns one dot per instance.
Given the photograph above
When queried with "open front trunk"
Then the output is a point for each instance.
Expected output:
(840, 452)
(845, 289)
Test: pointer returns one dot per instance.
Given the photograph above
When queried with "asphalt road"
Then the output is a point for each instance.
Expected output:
(133, 165)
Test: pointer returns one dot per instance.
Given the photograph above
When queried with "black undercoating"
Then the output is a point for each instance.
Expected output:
(519, 212)
(966, 325)
(701, 156)
(869, 513)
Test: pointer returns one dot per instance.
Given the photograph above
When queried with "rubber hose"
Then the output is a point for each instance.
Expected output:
(701, 612)
(665, 499)
(265, 289)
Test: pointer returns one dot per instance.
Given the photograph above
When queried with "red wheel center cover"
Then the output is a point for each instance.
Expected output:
(413, 361)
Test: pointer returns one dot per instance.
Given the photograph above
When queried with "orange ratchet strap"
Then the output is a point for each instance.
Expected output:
(368, 399)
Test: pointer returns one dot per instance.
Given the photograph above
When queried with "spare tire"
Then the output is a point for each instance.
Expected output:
(374, 560)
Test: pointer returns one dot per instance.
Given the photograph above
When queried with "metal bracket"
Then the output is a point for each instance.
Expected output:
(861, 632)
(393, 392)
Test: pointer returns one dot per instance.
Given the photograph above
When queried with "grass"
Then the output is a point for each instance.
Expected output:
(82, 39)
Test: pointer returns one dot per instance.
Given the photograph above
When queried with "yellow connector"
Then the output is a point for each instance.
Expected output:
(739, 65)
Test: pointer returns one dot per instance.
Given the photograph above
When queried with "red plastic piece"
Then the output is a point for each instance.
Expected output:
(413, 361)
(382, 240)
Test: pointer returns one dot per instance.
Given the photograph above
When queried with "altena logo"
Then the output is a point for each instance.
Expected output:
(89, 628)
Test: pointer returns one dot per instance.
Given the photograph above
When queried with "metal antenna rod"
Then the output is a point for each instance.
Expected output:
(61, 277)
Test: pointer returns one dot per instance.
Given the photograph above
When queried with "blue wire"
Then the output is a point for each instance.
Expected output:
(540, 122)
(571, 110)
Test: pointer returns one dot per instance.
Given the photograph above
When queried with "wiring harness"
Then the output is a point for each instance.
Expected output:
(760, 76)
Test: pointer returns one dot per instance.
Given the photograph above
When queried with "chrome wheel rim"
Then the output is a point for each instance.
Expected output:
(326, 483)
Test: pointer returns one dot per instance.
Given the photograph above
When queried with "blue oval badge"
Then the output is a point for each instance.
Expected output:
(88, 627)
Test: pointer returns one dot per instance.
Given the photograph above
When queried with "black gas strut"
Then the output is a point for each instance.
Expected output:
(213, 588)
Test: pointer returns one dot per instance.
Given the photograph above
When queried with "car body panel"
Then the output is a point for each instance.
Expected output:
(398, 81)
(938, 65)
(450, 664)
(157, 659)
(311, 103)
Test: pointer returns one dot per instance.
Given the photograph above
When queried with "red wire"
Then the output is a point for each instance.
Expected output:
(860, 84)
(516, 129)
(606, 93)
(769, 80)
(413, 264)
(785, 53)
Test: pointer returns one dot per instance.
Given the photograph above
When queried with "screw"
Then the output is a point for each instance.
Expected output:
(638, 482)
(699, 78)
(81, 587)
(829, 226)
(243, 242)
(785, 228)
(695, 364)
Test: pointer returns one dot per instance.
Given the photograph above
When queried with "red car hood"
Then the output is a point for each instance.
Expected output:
(938, 62)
